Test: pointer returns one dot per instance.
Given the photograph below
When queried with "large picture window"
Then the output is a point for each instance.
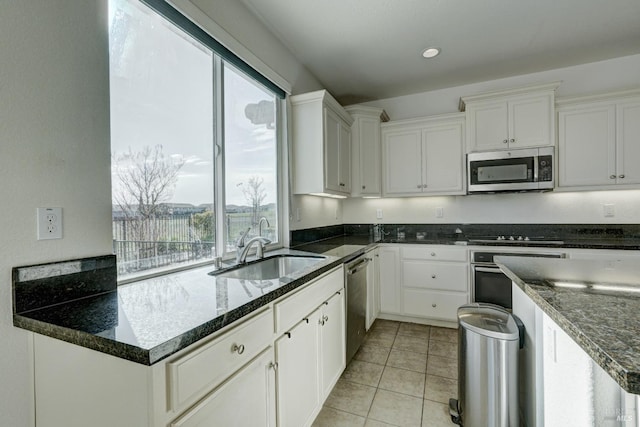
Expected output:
(195, 147)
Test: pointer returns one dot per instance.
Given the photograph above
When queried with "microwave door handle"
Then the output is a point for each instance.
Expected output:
(488, 270)
(536, 163)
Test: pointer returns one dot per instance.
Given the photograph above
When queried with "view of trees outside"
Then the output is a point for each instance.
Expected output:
(162, 143)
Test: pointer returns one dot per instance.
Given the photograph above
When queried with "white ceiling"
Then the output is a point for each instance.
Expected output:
(371, 49)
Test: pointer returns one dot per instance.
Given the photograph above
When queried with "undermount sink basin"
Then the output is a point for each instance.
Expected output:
(270, 268)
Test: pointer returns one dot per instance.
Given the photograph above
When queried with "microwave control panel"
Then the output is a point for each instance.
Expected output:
(545, 168)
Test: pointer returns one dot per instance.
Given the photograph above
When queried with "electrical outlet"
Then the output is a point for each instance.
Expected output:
(378, 213)
(439, 212)
(49, 223)
(609, 210)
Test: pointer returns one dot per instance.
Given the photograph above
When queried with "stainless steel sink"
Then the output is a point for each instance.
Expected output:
(270, 268)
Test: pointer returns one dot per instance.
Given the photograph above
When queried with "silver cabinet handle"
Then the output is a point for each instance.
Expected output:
(504, 141)
(419, 186)
(433, 254)
(512, 140)
(434, 305)
(433, 276)
(235, 348)
(621, 176)
(364, 187)
(273, 365)
(612, 177)
(342, 184)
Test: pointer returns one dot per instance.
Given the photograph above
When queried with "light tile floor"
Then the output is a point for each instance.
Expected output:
(403, 375)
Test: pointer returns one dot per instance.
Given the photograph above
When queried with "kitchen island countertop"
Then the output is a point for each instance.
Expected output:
(597, 303)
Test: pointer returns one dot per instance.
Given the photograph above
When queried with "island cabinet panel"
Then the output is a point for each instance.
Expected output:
(193, 374)
(389, 265)
(245, 399)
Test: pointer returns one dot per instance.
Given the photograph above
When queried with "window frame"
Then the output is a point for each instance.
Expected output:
(166, 11)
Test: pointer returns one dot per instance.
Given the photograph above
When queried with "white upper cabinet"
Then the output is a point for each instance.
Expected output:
(598, 141)
(365, 150)
(511, 119)
(423, 157)
(321, 134)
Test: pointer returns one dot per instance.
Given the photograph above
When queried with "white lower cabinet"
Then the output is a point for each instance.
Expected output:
(423, 281)
(246, 399)
(310, 359)
(234, 378)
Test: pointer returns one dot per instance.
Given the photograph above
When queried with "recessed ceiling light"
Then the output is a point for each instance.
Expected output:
(430, 52)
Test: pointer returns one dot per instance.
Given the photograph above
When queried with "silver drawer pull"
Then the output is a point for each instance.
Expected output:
(273, 365)
(612, 177)
(512, 140)
(237, 348)
(621, 176)
(434, 305)
(504, 141)
(433, 254)
(433, 276)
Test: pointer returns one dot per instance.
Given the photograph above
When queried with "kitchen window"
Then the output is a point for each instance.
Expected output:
(195, 143)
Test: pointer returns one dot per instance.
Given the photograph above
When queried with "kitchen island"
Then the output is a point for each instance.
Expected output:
(582, 319)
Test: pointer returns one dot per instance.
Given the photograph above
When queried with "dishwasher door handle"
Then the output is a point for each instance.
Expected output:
(359, 266)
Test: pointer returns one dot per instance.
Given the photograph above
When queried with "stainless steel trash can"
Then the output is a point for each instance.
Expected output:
(489, 338)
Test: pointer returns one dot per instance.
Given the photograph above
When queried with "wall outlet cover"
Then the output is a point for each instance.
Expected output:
(49, 223)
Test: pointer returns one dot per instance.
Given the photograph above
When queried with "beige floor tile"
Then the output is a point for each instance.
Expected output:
(408, 360)
(440, 389)
(443, 348)
(414, 330)
(351, 397)
(442, 367)
(372, 354)
(363, 373)
(444, 334)
(391, 326)
(329, 417)
(380, 340)
(376, 423)
(415, 344)
(402, 381)
(436, 415)
(397, 409)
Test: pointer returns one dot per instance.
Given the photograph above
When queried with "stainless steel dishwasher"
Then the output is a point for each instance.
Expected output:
(356, 283)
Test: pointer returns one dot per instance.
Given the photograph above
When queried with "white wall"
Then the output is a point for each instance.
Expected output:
(517, 208)
(54, 144)
(603, 76)
(244, 34)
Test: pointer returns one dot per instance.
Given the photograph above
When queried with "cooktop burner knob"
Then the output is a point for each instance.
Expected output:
(520, 238)
(511, 238)
(526, 239)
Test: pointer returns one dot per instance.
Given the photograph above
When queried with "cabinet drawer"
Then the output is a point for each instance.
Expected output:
(438, 252)
(294, 308)
(445, 276)
(433, 304)
(199, 371)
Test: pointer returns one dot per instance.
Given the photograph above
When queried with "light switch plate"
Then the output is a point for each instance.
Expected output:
(378, 213)
(49, 222)
(439, 212)
(609, 210)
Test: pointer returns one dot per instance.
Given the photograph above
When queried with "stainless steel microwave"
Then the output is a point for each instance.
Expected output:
(528, 169)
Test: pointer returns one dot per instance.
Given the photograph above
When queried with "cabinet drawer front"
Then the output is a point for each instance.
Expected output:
(433, 304)
(292, 309)
(198, 372)
(439, 253)
(435, 275)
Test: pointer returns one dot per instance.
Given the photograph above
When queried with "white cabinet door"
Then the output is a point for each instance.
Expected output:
(586, 146)
(487, 126)
(390, 280)
(344, 158)
(628, 142)
(369, 164)
(443, 157)
(531, 121)
(332, 342)
(373, 287)
(297, 354)
(402, 162)
(246, 399)
(332, 134)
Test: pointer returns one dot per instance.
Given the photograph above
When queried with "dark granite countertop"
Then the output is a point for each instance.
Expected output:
(148, 320)
(597, 303)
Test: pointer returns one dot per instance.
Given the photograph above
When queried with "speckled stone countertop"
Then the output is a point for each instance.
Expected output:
(597, 303)
(148, 320)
